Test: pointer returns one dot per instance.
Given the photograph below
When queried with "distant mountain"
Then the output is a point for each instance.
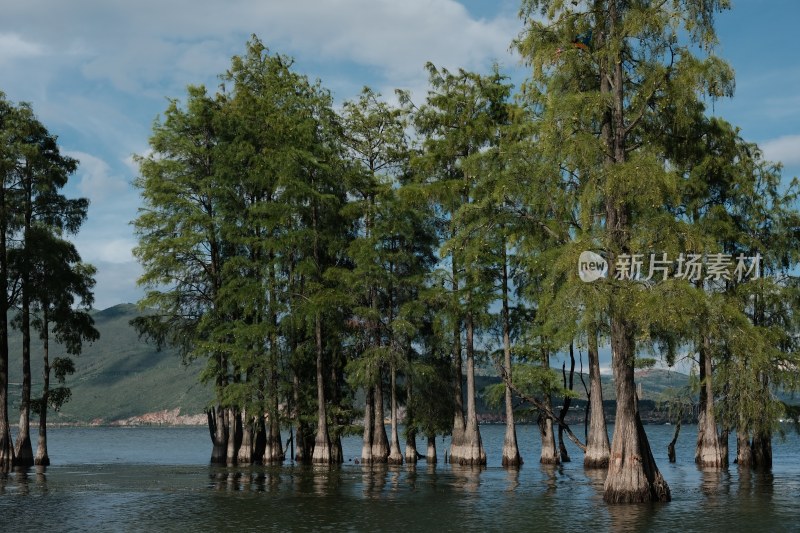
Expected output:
(118, 377)
(123, 379)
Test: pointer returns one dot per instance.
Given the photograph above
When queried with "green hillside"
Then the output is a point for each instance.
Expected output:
(118, 376)
(121, 376)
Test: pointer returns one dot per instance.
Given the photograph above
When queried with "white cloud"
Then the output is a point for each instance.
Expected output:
(13, 46)
(97, 181)
(116, 283)
(785, 149)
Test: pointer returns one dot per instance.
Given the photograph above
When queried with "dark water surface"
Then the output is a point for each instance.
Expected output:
(158, 479)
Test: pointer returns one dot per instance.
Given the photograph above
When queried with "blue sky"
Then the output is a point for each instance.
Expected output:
(98, 72)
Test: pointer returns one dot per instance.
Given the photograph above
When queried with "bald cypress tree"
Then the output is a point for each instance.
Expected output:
(602, 71)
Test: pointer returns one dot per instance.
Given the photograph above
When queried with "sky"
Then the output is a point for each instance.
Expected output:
(98, 72)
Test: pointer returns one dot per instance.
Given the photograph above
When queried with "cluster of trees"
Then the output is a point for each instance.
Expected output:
(309, 254)
(48, 290)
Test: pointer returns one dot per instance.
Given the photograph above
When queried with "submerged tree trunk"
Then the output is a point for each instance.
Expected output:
(549, 454)
(411, 431)
(42, 458)
(369, 412)
(273, 449)
(234, 423)
(597, 445)
(457, 437)
(562, 415)
(671, 446)
(322, 441)
(395, 456)
(430, 453)
(474, 453)
(762, 450)
(219, 434)
(6, 449)
(23, 451)
(511, 457)
(245, 454)
(744, 453)
(304, 437)
(632, 472)
(380, 444)
(707, 452)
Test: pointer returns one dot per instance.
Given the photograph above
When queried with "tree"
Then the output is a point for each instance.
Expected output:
(461, 117)
(62, 298)
(181, 246)
(599, 101)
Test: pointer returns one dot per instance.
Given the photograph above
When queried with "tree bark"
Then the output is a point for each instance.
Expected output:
(707, 451)
(744, 453)
(597, 445)
(474, 453)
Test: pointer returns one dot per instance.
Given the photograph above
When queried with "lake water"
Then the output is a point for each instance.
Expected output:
(159, 479)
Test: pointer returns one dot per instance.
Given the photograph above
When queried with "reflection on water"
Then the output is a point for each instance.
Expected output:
(158, 497)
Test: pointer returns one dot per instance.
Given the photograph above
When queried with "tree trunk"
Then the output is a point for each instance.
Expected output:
(233, 422)
(303, 434)
(245, 454)
(457, 435)
(549, 455)
(219, 434)
(6, 449)
(430, 454)
(23, 452)
(567, 401)
(671, 445)
(597, 445)
(511, 457)
(42, 458)
(762, 450)
(744, 453)
(273, 450)
(723, 446)
(474, 453)
(259, 439)
(411, 430)
(322, 441)
(707, 452)
(395, 456)
(632, 472)
(412, 455)
(369, 412)
(380, 444)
